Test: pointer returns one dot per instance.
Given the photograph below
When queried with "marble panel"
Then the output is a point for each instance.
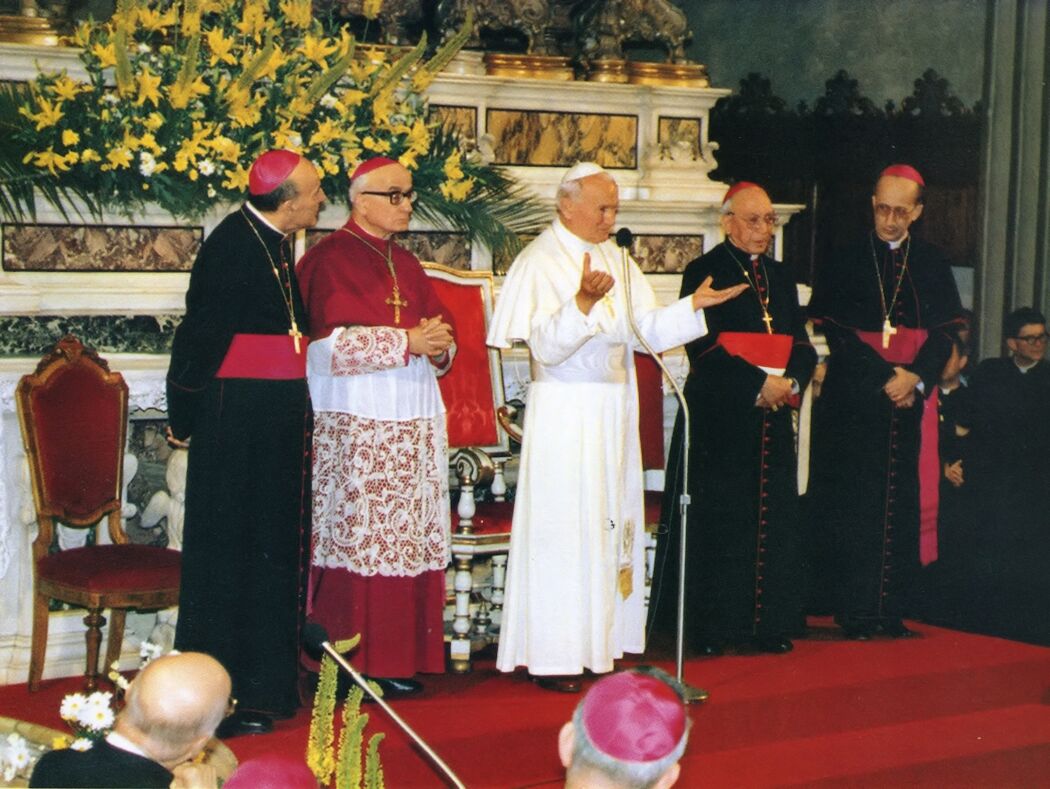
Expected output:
(464, 120)
(35, 335)
(448, 249)
(657, 254)
(99, 248)
(532, 137)
(683, 135)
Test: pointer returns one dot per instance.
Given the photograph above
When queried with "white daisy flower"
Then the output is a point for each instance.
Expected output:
(71, 706)
(147, 164)
(206, 167)
(81, 744)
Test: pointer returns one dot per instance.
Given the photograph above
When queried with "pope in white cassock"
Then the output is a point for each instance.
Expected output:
(574, 596)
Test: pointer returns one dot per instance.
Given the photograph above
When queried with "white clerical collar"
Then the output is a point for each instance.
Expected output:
(1024, 368)
(572, 242)
(897, 244)
(118, 740)
(264, 220)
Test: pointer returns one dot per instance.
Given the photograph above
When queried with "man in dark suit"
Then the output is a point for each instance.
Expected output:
(173, 707)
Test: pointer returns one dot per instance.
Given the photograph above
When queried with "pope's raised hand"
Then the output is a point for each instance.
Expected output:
(706, 296)
(593, 286)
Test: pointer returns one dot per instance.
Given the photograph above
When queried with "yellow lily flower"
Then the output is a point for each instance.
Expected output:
(89, 155)
(316, 49)
(237, 180)
(51, 161)
(67, 89)
(154, 20)
(180, 95)
(452, 168)
(253, 19)
(70, 137)
(220, 47)
(49, 114)
(297, 13)
(370, 8)
(149, 85)
(351, 97)
(153, 121)
(326, 132)
(457, 191)
(118, 158)
(106, 54)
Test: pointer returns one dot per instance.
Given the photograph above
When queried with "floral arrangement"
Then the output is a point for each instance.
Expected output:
(16, 757)
(340, 766)
(180, 97)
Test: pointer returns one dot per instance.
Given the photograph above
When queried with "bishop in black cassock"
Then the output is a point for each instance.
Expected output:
(237, 387)
(888, 307)
(744, 572)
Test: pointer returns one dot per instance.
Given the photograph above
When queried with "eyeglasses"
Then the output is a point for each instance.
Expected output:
(1032, 339)
(395, 196)
(898, 212)
(759, 222)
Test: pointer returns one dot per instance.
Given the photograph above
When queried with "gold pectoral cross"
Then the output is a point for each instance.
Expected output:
(394, 300)
(768, 320)
(888, 330)
(296, 335)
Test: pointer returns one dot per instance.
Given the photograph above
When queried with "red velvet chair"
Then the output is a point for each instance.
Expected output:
(479, 445)
(74, 415)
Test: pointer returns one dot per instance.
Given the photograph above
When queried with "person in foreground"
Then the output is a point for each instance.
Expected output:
(628, 732)
(575, 596)
(745, 376)
(380, 482)
(889, 308)
(171, 711)
(237, 386)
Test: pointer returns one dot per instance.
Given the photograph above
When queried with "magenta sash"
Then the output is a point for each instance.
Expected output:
(904, 347)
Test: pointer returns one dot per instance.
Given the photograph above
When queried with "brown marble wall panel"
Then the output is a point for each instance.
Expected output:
(531, 137)
(448, 249)
(684, 132)
(666, 254)
(464, 120)
(99, 248)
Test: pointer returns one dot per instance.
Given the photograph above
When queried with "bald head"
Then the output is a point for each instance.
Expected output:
(174, 706)
(748, 220)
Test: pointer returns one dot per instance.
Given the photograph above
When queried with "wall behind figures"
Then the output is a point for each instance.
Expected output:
(839, 145)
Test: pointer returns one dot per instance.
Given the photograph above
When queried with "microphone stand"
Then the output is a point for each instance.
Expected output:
(691, 693)
(363, 683)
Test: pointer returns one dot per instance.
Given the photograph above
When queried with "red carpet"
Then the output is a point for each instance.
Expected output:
(947, 709)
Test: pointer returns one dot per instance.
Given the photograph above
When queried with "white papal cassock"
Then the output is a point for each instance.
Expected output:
(574, 596)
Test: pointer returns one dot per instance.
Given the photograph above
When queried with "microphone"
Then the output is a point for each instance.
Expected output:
(315, 641)
(624, 239)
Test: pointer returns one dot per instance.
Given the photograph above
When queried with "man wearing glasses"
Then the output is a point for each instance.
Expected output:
(887, 307)
(744, 586)
(380, 476)
(1010, 433)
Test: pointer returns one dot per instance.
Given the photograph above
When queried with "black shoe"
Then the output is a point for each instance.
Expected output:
(395, 687)
(855, 631)
(775, 645)
(244, 722)
(895, 629)
(565, 683)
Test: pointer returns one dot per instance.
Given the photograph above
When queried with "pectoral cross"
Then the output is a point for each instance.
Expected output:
(296, 335)
(768, 320)
(394, 300)
(888, 330)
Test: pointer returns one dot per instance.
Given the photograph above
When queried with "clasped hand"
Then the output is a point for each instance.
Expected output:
(775, 392)
(432, 337)
(901, 387)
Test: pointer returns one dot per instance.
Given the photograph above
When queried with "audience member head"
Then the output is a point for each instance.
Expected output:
(285, 187)
(897, 201)
(628, 732)
(174, 705)
(748, 219)
(588, 200)
(381, 197)
(1025, 332)
(272, 772)
(956, 363)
